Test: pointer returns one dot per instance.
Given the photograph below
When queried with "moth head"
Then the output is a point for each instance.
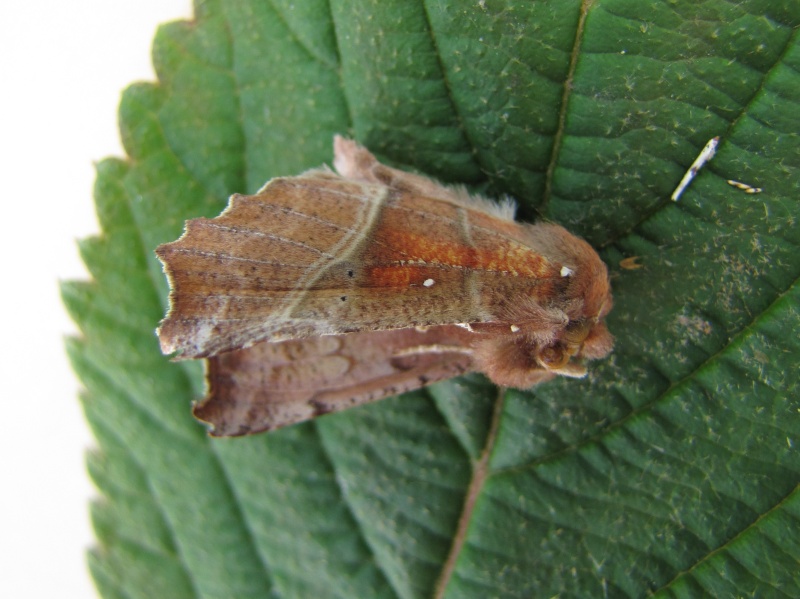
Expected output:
(521, 356)
(586, 301)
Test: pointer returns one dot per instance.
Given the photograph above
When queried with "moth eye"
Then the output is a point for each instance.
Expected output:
(553, 357)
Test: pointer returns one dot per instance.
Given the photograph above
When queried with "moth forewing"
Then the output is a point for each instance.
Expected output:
(346, 268)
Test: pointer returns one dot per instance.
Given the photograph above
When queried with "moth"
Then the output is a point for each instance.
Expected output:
(332, 289)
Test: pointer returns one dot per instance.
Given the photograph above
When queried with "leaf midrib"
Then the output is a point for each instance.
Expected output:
(562, 111)
(480, 472)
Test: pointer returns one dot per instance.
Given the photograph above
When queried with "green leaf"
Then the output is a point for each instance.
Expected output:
(672, 470)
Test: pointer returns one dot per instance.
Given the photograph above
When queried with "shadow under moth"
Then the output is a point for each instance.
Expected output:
(331, 289)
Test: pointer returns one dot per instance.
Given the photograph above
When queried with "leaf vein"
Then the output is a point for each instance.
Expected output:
(346, 502)
(753, 526)
(562, 111)
(480, 472)
(236, 507)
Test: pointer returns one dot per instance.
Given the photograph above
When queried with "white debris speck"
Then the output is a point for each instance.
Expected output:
(566, 271)
(747, 188)
(514, 328)
(429, 282)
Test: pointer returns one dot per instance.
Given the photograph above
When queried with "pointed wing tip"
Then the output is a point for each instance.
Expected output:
(211, 411)
(198, 411)
(165, 342)
(175, 346)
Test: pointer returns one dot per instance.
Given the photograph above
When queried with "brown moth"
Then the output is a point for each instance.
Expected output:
(332, 289)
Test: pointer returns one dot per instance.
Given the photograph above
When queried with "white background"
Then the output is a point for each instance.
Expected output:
(63, 66)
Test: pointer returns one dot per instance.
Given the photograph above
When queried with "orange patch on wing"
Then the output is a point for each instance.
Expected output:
(508, 257)
(396, 276)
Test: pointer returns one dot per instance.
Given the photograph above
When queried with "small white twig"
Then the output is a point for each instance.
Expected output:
(706, 154)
